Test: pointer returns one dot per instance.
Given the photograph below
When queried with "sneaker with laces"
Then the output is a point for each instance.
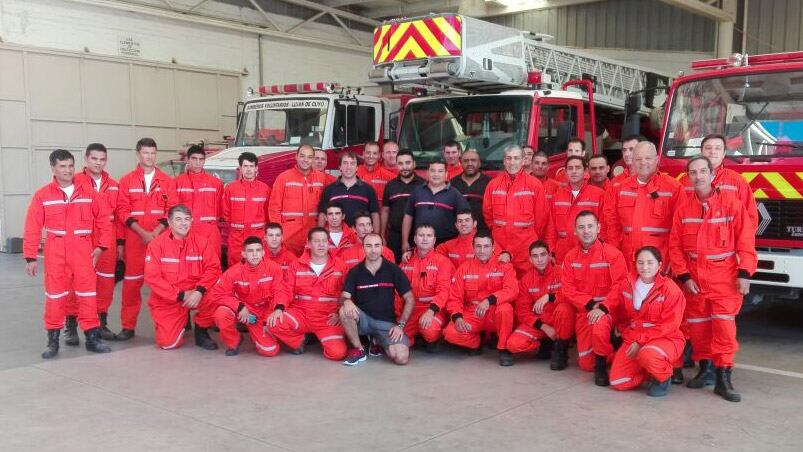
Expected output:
(375, 351)
(355, 356)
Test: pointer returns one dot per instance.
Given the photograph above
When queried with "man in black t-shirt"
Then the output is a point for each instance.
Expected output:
(367, 305)
(394, 200)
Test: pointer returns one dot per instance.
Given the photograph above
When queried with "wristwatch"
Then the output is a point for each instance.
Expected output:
(401, 324)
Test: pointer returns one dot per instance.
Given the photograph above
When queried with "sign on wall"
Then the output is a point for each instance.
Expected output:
(128, 46)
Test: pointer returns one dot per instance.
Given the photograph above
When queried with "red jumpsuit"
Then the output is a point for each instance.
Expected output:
(309, 302)
(714, 246)
(637, 215)
(256, 289)
(294, 205)
(564, 208)
(203, 194)
(453, 171)
(173, 266)
(348, 241)
(105, 267)
(430, 278)
(621, 177)
(655, 326)
(460, 249)
(378, 179)
(728, 180)
(517, 212)
(245, 209)
(284, 258)
(550, 186)
(355, 254)
(147, 208)
(73, 227)
(586, 279)
(473, 282)
(534, 285)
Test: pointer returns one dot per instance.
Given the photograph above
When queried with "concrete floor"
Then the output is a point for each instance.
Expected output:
(142, 398)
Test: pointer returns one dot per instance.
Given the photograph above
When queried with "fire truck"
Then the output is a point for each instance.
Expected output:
(486, 86)
(756, 102)
(323, 115)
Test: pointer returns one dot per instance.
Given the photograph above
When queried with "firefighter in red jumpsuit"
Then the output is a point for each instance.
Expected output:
(451, 155)
(430, 274)
(180, 269)
(310, 303)
(639, 211)
(341, 237)
(540, 170)
(575, 147)
(372, 172)
(245, 207)
(515, 209)
(461, 248)
(97, 179)
(276, 251)
(598, 169)
(570, 200)
(294, 201)
(651, 306)
(320, 162)
(535, 305)
(628, 148)
(480, 300)
(145, 196)
(246, 294)
(712, 249)
(76, 222)
(203, 194)
(363, 225)
(589, 273)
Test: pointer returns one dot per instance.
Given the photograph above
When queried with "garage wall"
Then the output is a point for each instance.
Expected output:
(774, 26)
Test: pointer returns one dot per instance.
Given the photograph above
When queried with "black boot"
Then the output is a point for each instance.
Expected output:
(52, 344)
(432, 348)
(105, 333)
(124, 335)
(71, 331)
(505, 358)
(601, 371)
(93, 342)
(658, 388)
(203, 340)
(688, 363)
(705, 377)
(724, 387)
(677, 376)
(560, 355)
(545, 350)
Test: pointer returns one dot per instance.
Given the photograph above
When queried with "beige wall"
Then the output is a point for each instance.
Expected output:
(56, 99)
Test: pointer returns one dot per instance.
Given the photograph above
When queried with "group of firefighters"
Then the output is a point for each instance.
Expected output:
(636, 269)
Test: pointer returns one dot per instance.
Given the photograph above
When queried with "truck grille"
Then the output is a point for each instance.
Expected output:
(780, 219)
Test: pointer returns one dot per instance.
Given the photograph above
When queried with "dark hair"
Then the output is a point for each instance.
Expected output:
(465, 212)
(713, 136)
(436, 162)
(374, 143)
(424, 225)
(656, 253)
(634, 136)
(576, 157)
(576, 140)
(538, 244)
(145, 143)
(451, 144)
(336, 205)
(274, 225)
(528, 146)
(247, 157)
(60, 155)
(252, 239)
(95, 147)
(344, 155)
(314, 230)
(541, 154)
(405, 152)
(599, 156)
(586, 213)
(697, 158)
(360, 214)
(178, 208)
(482, 235)
(196, 149)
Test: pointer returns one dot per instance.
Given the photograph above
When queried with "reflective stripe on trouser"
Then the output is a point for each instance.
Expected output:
(68, 276)
(226, 320)
(601, 334)
(104, 271)
(568, 322)
(723, 329)
(431, 334)
(170, 317)
(524, 338)
(698, 324)
(298, 322)
(133, 280)
(656, 358)
(498, 319)
(516, 240)
(235, 243)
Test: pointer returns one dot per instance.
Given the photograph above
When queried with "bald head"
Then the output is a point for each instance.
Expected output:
(645, 160)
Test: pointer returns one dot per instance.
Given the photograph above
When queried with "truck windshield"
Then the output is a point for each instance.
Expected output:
(761, 115)
(283, 122)
(484, 123)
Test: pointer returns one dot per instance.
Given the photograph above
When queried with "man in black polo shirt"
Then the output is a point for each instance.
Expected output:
(471, 183)
(394, 200)
(436, 203)
(368, 308)
(351, 192)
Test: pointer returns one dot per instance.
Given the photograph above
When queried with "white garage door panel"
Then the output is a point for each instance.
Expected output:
(154, 97)
(112, 136)
(55, 87)
(227, 125)
(121, 161)
(13, 123)
(57, 134)
(12, 75)
(197, 109)
(107, 91)
(228, 89)
(17, 174)
(193, 136)
(15, 206)
(165, 138)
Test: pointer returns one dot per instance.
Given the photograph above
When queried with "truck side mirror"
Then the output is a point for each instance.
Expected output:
(633, 104)
(393, 124)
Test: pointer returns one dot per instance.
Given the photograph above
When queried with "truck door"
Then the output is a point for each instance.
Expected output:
(556, 122)
(356, 122)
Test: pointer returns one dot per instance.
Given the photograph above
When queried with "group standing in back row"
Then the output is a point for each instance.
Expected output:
(521, 260)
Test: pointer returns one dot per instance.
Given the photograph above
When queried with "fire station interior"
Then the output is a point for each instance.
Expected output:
(270, 75)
